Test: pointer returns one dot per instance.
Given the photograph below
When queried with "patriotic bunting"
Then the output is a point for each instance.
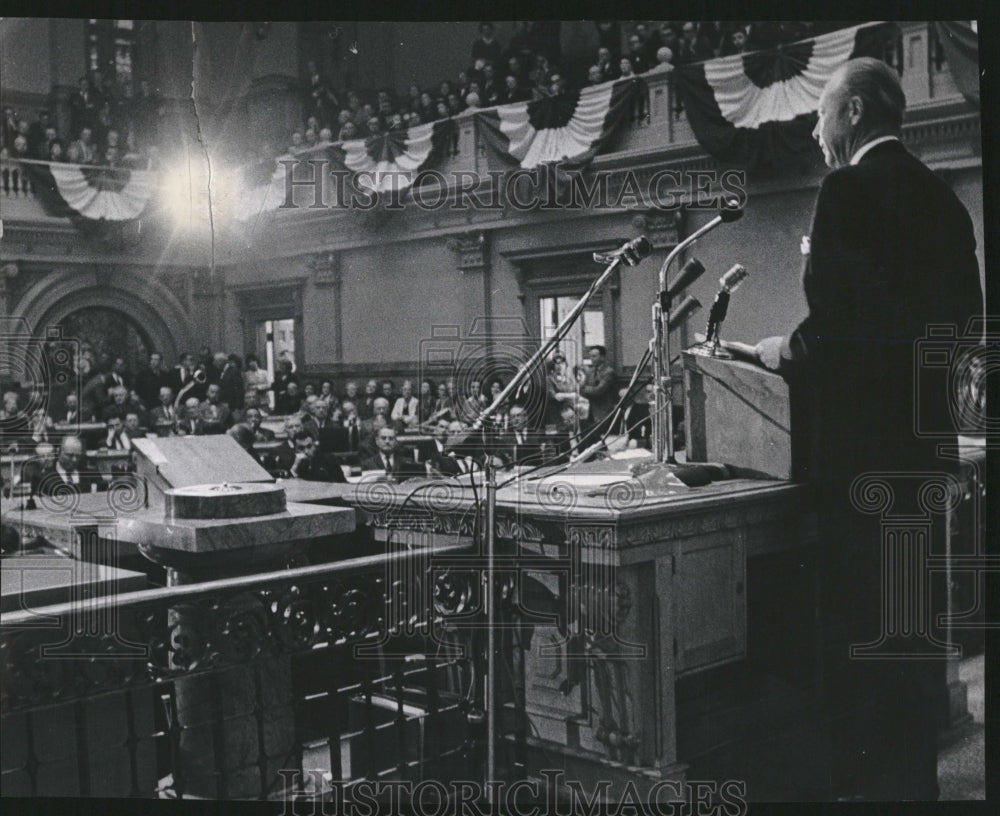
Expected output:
(758, 110)
(91, 193)
(391, 161)
(569, 128)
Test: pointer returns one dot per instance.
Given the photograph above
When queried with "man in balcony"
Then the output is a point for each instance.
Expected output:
(891, 251)
(163, 416)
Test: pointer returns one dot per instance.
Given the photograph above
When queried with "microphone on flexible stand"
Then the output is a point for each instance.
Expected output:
(631, 252)
(728, 283)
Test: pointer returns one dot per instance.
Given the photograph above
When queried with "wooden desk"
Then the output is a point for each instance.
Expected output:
(658, 580)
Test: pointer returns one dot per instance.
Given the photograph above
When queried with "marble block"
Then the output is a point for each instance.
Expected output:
(296, 523)
(223, 501)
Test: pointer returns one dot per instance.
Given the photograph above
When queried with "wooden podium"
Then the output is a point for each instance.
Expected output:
(163, 463)
(739, 414)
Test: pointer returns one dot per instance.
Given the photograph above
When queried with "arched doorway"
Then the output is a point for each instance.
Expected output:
(108, 333)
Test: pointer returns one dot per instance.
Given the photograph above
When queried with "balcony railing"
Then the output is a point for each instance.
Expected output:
(246, 688)
(659, 125)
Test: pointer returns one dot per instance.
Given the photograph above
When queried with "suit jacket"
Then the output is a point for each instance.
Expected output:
(49, 482)
(534, 449)
(191, 426)
(263, 434)
(599, 389)
(231, 390)
(321, 468)
(892, 251)
(637, 424)
(159, 417)
(403, 465)
(148, 382)
(446, 461)
(215, 418)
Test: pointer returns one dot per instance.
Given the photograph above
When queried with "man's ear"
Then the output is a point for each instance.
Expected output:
(855, 108)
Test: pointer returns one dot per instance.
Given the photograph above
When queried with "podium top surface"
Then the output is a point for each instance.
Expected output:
(183, 461)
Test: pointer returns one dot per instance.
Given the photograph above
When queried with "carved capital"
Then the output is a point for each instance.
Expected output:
(325, 268)
(661, 227)
(471, 250)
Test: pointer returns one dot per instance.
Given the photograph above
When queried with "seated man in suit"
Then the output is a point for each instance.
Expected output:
(520, 446)
(66, 471)
(214, 414)
(312, 464)
(244, 438)
(444, 459)
(567, 436)
(406, 412)
(116, 437)
(163, 417)
(252, 418)
(395, 461)
(190, 423)
(330, 436)
(132, 426)
(117, 404)
(281, 460)
(288, 401)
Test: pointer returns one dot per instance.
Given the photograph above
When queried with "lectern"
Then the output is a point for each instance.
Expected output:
(740, 415)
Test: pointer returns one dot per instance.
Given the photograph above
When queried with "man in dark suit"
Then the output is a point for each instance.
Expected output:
(599, 388)
(66, 471)
(397, 462)
(312, 464)
(891, 251)
(190, 423)
(163, 417)
(520, 446)
(214, 414)
(149, 379)
(260, 433)
(443, 458)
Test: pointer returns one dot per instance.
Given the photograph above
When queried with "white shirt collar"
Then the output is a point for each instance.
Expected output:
(859, 154)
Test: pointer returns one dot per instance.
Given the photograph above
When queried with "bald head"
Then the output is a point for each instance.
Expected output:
(862, 101)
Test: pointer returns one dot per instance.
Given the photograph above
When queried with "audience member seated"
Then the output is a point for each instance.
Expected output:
(519, 445)
(396, 462)
(191, 423)
(65, 472)
(163, 417)
(312, 464)
(281, 460)
(244, 438)
(133, 428)
(406, 412)
(252, 418)
(214, 413)
(288, 401)
(444, 459)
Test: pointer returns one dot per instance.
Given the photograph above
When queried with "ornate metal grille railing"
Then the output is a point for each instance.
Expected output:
(267, 686)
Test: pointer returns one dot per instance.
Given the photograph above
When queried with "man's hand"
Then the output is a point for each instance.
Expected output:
(769, 352)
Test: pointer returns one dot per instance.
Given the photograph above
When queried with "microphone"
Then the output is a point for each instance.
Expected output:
(690, 272)
(630, 252)
(728, 284)
(682, 311)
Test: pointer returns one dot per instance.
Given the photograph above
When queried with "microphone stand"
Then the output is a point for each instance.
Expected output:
(490, 490)
(663, 437)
